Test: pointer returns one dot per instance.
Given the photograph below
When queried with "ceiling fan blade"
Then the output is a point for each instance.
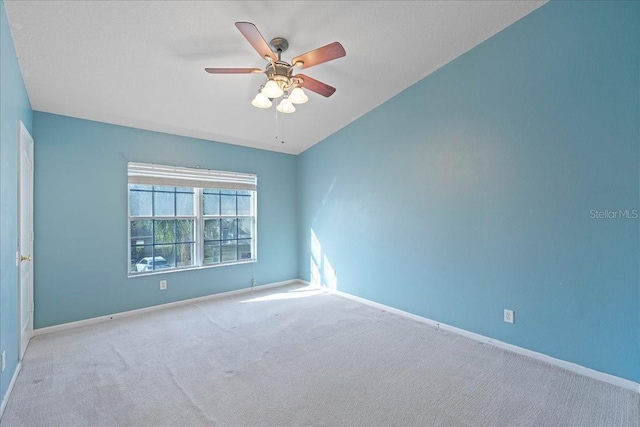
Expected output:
(233, 70)
(322, 54)
(253, 36)
(316, 86)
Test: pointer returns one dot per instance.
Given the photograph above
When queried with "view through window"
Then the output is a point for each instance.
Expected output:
(179, 226)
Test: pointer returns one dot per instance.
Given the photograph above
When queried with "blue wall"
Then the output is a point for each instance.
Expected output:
(468, 193)
(472, 191)
(81, 218)
(14, 106)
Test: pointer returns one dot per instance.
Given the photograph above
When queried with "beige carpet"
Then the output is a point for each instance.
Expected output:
(295, 357)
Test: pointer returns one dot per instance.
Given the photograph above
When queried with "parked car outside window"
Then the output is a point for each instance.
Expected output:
(151, 263)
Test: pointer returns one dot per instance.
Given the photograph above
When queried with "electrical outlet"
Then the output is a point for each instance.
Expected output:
(163, 284)
(508, 316)
(4, 363)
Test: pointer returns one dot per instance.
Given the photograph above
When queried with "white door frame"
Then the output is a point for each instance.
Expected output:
(25, 236)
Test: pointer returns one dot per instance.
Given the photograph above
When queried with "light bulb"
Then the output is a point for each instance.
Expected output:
(298, 96)
(261, 101)
(272, 90)
(286, 106)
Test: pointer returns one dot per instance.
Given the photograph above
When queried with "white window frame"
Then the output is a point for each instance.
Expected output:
(199, 180)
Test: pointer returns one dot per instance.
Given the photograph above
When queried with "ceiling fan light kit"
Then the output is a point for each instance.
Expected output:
(261, 101)
(297, 96)
(281, 83)
(272, 89)
(286, 106)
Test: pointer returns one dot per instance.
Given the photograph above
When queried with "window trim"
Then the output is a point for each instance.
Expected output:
(143, 174)
(174, 176)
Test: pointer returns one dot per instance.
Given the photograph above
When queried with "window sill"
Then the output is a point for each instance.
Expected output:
(177, 270)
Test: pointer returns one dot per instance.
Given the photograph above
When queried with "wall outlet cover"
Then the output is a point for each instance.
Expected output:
(508, 316)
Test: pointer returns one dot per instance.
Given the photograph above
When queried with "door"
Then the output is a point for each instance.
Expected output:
(25, 238)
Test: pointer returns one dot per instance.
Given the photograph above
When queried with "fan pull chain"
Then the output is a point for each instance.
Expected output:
(281, 126)
(282, 133)
(276, 121)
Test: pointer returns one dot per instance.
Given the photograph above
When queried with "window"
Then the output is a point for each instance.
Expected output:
(189, 218)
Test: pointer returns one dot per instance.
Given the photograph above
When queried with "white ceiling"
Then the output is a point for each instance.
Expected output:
(140, 63)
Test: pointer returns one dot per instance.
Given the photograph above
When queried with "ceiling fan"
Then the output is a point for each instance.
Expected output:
(281, 82)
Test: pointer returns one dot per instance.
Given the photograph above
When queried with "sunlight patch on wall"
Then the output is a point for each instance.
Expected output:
(316, 249)
(329, 275)
(316, 260)
(321, 272)
(315, 273)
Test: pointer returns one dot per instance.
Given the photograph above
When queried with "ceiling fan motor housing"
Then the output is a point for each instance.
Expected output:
(280, 72)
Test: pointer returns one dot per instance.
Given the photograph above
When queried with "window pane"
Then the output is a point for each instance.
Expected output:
(137, 254)
(184, 203)
(163, 204)
(244, 193)
(164, 231)
(211, 229)
(185, 254)
(140, 187)
(184, 230)
(229, 251)
(212, 253)
(184, 190)
(232, 192)
(141, 232)
(244, 249)
(149, 262)
(211, 204)
(227, 205)
(229, 230)
(163, 188)
(244, 205)
(244, 228)
(164, 257)
(139, 203)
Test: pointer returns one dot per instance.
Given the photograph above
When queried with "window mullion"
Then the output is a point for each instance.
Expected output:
(235, 233)
(199, 226)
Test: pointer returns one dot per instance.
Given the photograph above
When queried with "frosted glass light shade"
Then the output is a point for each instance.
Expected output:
(298, 96)
(272, 90)
(286, 106)
(261, 101)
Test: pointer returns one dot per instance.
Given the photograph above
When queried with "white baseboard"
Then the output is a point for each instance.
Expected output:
(578, 369)
(100, 319)
(5, 400)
